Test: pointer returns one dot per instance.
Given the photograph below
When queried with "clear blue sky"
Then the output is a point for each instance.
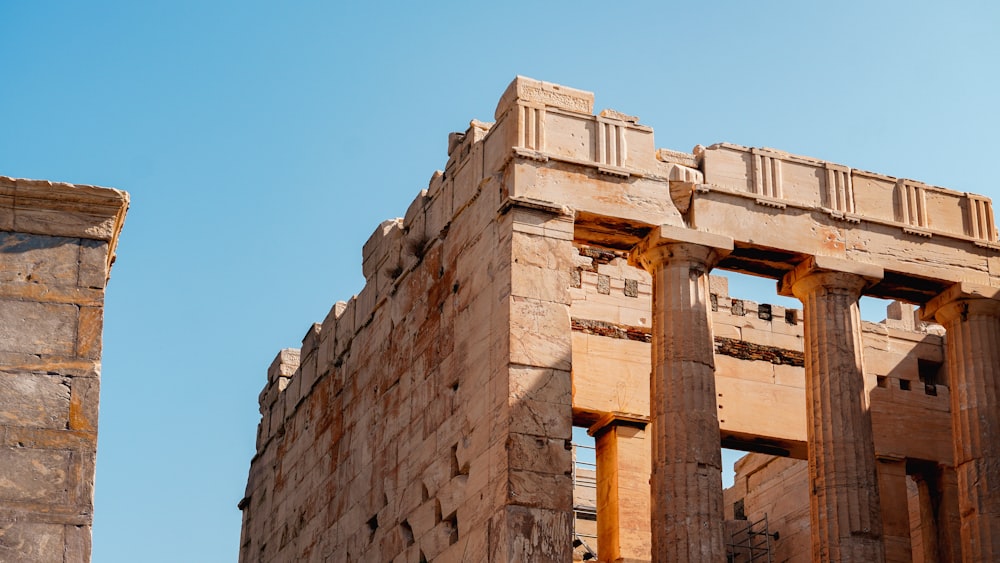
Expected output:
(262, 142)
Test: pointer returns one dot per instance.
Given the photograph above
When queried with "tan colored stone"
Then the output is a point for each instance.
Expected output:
(845, 516)
(500, 311)
(34, 400)
(39, 328)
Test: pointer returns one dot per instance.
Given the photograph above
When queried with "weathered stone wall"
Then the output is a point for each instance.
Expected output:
(56, 246)
(429, 416)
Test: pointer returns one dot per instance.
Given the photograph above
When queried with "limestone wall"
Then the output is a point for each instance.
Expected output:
(428, 417)
(57, 243)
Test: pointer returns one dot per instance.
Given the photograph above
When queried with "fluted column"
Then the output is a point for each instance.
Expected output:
(845, 518)
(686, 484)
(971, 317)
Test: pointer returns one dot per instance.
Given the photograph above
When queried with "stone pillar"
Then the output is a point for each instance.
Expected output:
(895, 508)
(845, 518)
(971, 317)
(57, 243)
(622, 487)
(686, 484)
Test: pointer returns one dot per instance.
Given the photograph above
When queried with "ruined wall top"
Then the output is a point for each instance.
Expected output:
(778, 208)
(42, 207)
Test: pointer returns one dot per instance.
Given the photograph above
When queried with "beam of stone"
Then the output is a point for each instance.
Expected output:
(845, 515)
(686, 508)
(971, 317)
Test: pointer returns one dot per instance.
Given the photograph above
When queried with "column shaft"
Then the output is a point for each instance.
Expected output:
(686, 504)
(973, 355)
(844, 507)
(622, 488)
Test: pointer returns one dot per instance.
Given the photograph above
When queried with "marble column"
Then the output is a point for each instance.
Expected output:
(622, 487)
(971, 317)
(686, 515)
(845, 517)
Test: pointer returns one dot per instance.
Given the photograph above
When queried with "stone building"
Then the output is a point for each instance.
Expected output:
(57, 243)
(556, 274)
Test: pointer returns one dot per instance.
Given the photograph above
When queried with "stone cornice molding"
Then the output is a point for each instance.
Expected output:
(60, 209)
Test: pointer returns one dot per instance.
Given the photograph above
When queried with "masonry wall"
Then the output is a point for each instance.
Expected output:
(56, 246)
(428, 418)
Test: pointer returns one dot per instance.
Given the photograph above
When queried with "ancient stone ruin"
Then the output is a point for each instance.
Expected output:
(557, 274)
(57, 243)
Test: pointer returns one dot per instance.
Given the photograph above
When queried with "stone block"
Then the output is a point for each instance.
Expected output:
(467, 183)
(532, 534)
(310, 342)
(439, 210)
(34, 400)
(539, 454)
(540, 283)
(285, 363)
(38, 259)
(35, 475)
(539, 334)
(364, 305)
(78, 544)
(540, 490)
(84, 398)
(552, 95)
(383, 246)
(89, 331)
(538, 418)
(94, 265)
(25, 542)
(773, 339)
(345, 327)
(37, 328)
(540, 384)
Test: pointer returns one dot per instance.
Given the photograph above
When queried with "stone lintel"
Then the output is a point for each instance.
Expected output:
(617, 418)
(958, 291)
(553, 95)
(670, 234)
(871, 273)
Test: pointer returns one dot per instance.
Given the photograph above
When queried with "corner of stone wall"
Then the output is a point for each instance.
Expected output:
(401, 256)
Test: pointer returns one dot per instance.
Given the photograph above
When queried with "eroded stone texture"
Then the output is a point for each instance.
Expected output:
(623, 496)
(971, 318)
(846, 518)
(57, 242)
(429, 417)
(686, 483)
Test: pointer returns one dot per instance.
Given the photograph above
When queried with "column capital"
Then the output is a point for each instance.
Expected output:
(666, 242)
(830, 272)
(961, 298)
(616, 418)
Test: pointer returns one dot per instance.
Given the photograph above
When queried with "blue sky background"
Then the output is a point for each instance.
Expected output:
(262, 142)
